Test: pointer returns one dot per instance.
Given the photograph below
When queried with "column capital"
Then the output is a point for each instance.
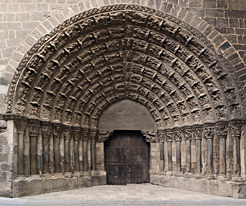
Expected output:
(67, 132)
(46, 129)
(76, 133)
(187, 131)
(34, 126)
(103, 135)
(93, 134)
(221, 128)
(160, 135)
(56, 130)
(85, 134)
(169, 135)
(177, 133)
(197, 131)
(208, 129)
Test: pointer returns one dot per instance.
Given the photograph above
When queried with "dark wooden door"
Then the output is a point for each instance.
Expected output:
(127, 157)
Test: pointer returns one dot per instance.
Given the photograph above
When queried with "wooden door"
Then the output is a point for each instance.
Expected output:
(127, 157)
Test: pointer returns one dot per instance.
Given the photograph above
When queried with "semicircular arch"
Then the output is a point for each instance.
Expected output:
(161, 46)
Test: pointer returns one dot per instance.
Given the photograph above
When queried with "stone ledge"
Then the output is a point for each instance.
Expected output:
(40, 184)
(215, 187)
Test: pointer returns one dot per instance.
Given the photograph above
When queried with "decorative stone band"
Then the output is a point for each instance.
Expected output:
(161, 135)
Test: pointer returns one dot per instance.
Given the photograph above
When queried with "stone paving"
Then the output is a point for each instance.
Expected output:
(139, 194)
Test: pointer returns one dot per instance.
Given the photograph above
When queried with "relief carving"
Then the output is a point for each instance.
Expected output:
(104, 135)
(150, 136)
(46, 129)
(221, 129)
(208, 130)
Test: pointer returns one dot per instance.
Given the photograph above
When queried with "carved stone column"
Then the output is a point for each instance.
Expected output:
(177, 138)
(76, 137)
(169, 136)
(221, 130)
(197, 133)
(20, 126)
(26, 152)
(209, 135)
(93, 137)
(34, 126)
(236, 130)
(161, 138)
(57, 135)
(67, 136)
(187, 136)
(85, 139)
(46, 135)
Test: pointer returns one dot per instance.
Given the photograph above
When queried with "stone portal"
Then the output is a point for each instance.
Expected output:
(192, 111)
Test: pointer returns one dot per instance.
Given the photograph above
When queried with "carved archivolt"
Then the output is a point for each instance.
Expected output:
(120, 52)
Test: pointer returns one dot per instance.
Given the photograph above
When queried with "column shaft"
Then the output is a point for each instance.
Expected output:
(62, 155)
(76, 154)
(188, 156)
(57, 154)
(178, 156)
(51, 155)
(20, 153)
(67, 156)
(33, 155)
(162, 160)
(169, 148)
(210, 155)
(85, 156)
(93, 155)
(198, 156)
(236, 156)
(46, 154)
(222, 156)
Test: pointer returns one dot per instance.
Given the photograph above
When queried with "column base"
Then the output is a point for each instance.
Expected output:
(204, 185)
(223, 177)
(178, 174)
(237, 179)
(40, 184)
(210, 176)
